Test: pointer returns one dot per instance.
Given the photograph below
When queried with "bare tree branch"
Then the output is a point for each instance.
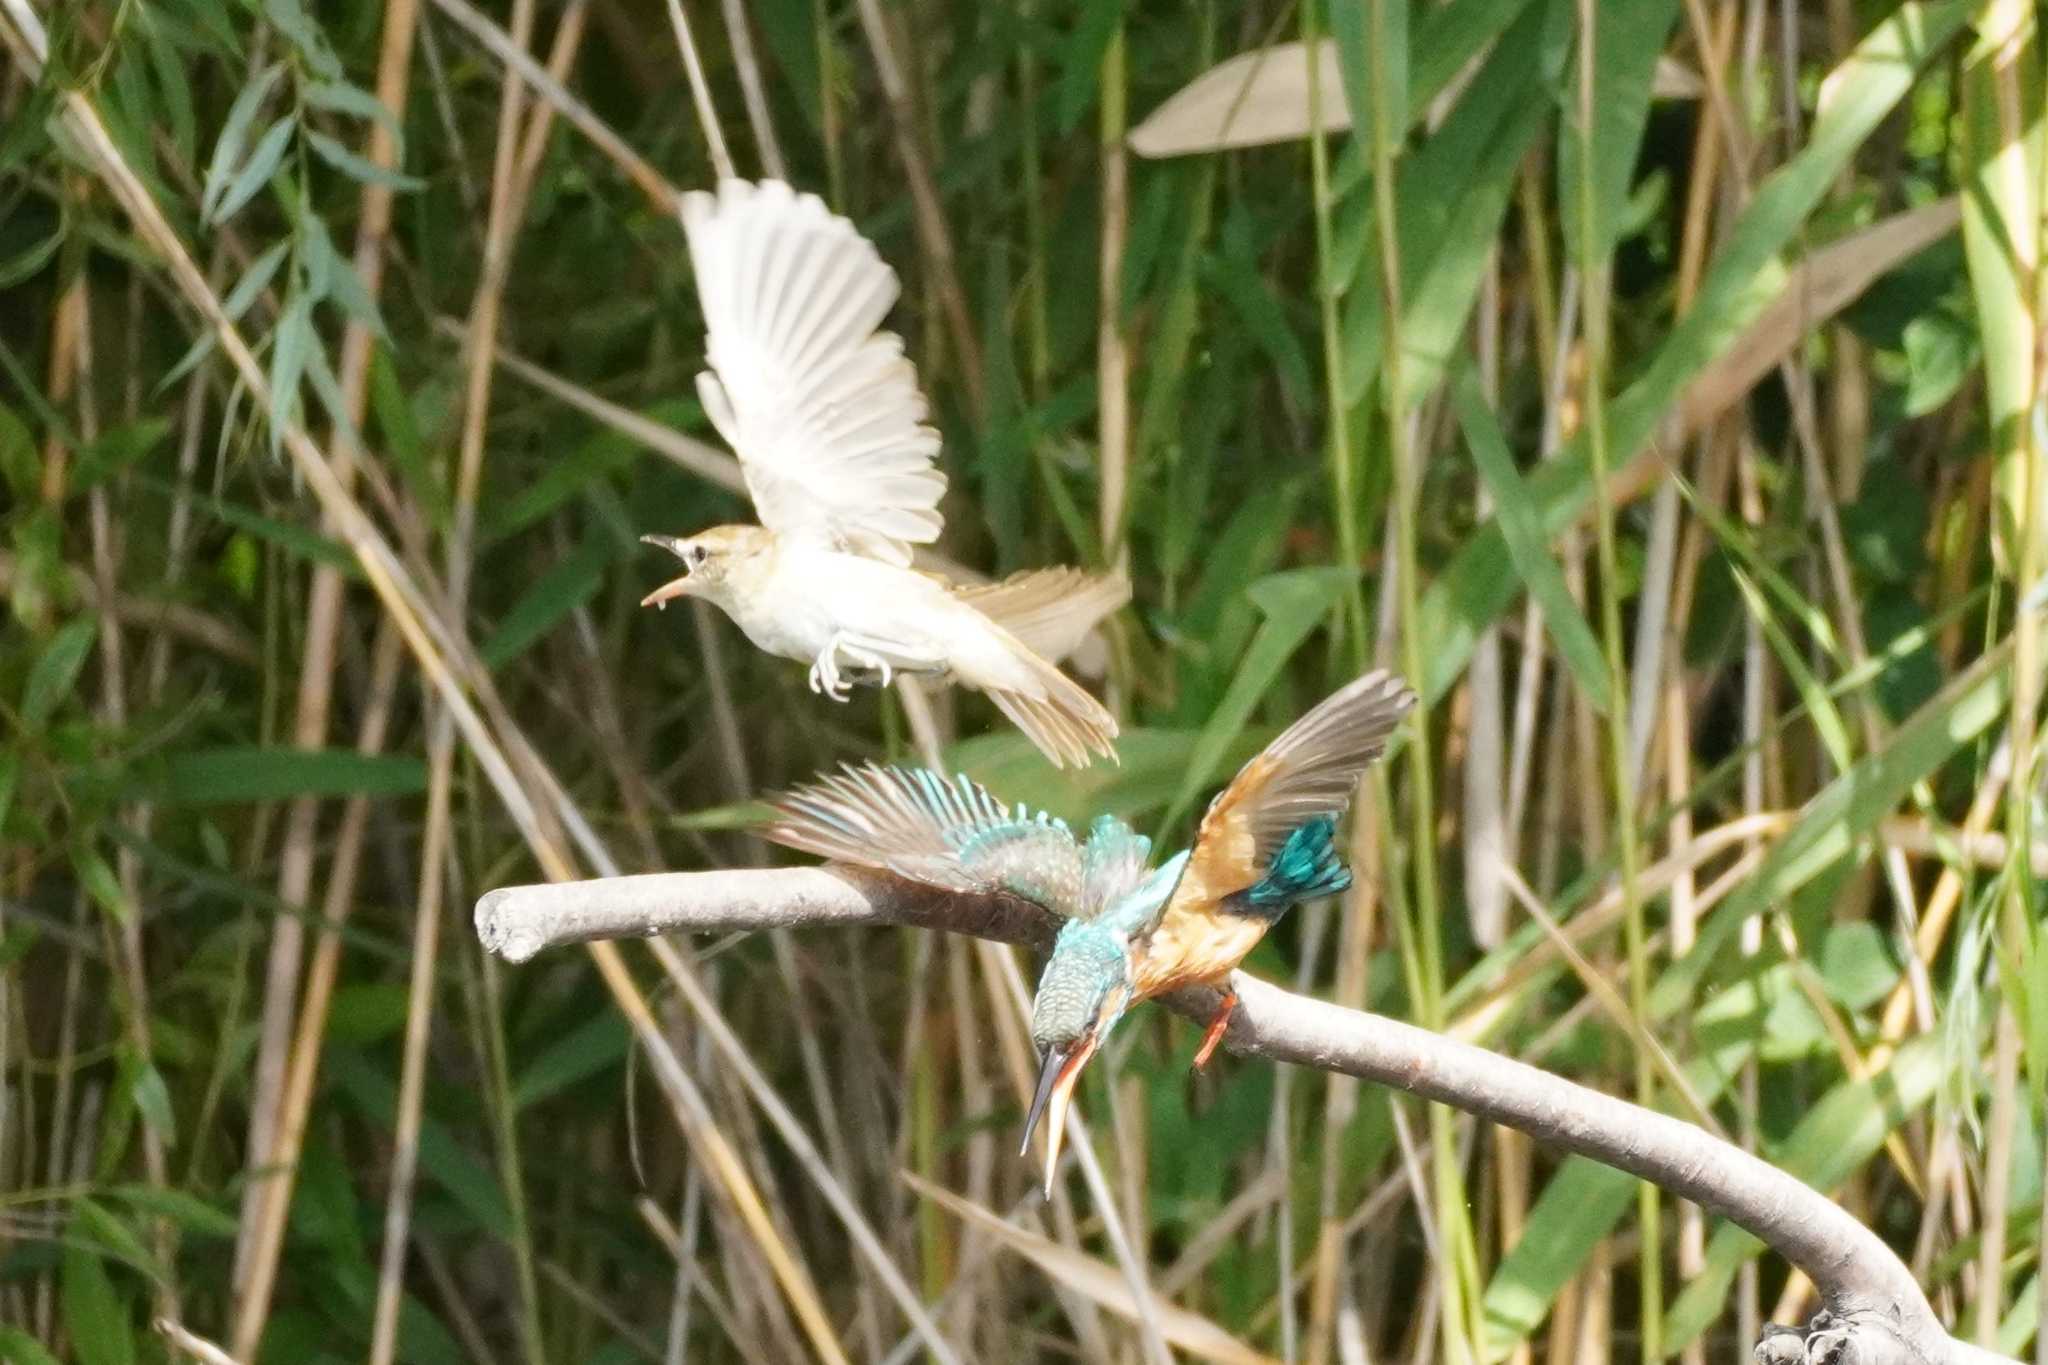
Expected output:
(1876, 1313)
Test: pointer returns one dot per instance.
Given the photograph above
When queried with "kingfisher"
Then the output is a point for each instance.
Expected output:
(1131, 931)
(824, 412)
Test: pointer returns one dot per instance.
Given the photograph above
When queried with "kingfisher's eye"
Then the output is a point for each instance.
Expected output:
(696, 555)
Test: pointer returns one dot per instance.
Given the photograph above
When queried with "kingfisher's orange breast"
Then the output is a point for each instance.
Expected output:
(1196, 941)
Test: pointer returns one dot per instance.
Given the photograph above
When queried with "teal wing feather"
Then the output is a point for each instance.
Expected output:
(951, 833)
(1112, 865)
(1139, 907)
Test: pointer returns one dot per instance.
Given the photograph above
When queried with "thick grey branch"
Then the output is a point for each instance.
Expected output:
(1877, 1312)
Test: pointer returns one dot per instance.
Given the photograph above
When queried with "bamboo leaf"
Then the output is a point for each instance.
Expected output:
(258, 773)
(1527, 547)
(256, 172)
(234, 139)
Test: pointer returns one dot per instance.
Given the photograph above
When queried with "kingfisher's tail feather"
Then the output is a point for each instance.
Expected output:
(1307, 865)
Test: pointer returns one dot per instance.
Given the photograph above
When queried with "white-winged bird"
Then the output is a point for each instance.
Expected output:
(1267, 841)
(826, 417)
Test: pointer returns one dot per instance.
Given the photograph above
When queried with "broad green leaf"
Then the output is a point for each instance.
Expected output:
(1528, 548)
(445, 1160)
(1293, 604)
(1372, 50)
(601, 1041)
(1080, 62)
(565, 477)
(1450, 199)
(55, 672)
(552, 597)
(1627, 41)
(1579, 1205)
(19, 1348)
(93, 1313)
(259, 773)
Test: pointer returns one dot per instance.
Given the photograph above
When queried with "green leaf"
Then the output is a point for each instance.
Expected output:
(152, 1098)
(367, 1011)
(342, 98)
(253, 282)
(292, 344)
(1293, 604)
(259, 773)
(188, 1211)
(1528, 549)
(552, 597)
(1836, 1136)
(234, 137)
(117, 450)
(1847, 810)
(1627, 42)
(601, 1041)
(99, 881)
(93, 1313)
(445, 1160)
(55, 672)
(1080, 60)
(21, 465)
(256, 172)
(1374, 59)
(359, 168)
(19, 1348)
(1477, 586)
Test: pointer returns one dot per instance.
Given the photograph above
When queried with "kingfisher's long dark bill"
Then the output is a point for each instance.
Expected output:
(1056, 1080)
(675, 587)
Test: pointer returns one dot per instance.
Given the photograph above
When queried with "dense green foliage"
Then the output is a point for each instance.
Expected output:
(1629, 379)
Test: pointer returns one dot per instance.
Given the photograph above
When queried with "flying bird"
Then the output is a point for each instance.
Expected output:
(824, 412)
(1132, 932)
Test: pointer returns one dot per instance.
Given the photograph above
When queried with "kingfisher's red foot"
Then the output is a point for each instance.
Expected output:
(1217, 1027)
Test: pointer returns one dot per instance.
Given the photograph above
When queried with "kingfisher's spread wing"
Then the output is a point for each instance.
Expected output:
(950, 833)
(822, 409)
(1307, 774)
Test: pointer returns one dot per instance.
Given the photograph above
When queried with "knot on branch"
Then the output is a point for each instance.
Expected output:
(1835, 1339)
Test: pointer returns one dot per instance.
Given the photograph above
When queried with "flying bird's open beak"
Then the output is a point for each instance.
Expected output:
(1055, 1089)
(675, 587)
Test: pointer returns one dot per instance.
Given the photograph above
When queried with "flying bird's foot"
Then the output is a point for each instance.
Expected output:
(825, 672)
(870, 664)
(1218, 1026)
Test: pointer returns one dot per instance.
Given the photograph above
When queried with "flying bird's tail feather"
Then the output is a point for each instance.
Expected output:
(1051, 611)
(1055, 712)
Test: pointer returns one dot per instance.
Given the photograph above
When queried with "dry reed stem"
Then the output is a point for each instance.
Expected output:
(430, 641)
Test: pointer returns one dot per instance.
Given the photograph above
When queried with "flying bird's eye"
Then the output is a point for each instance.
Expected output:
(696, 556)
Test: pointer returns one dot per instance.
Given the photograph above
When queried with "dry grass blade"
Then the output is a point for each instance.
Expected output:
(1102, 1284)
(1264, 96)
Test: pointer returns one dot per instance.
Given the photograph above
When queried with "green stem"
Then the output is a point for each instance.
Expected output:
(1593, 300)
